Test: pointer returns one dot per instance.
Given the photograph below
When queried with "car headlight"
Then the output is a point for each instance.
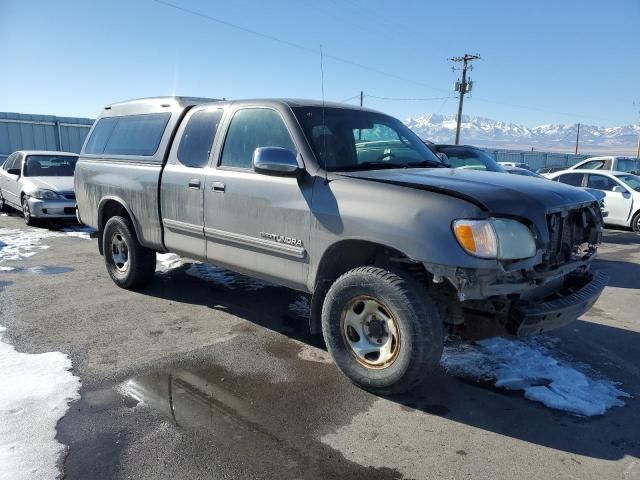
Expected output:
(41, 193)
(499, 238)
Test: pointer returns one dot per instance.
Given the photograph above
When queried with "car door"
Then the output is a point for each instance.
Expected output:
(10, 182)
(616, 203)
(254, 223)
(183, 179)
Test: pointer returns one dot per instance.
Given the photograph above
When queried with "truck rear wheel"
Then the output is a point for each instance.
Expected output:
(382, 329)
(129, 264)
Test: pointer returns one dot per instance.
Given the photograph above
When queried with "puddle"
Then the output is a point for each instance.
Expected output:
(37, 270)
(260, 422)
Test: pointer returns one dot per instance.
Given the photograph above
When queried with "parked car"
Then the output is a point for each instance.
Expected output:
(550, 169)
(347, 204)
(40, 184)
(467, 157)
(619, 164)
(514, 164)
(597, 194)
(621, 189)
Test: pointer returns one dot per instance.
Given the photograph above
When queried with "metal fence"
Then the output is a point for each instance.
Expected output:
(536, 160)
(19, 131)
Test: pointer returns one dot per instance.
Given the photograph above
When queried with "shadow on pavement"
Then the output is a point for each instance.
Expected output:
(611, 436)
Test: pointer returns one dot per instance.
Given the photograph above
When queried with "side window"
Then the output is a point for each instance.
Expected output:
(574, 179)
(197, 138)
(252, 128)
(9, 161)
(600, 182)
(100, 135)
(128, 135)
(593, 165)
(137, 134)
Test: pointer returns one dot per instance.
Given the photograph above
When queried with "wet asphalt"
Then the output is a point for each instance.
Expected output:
(192, 379)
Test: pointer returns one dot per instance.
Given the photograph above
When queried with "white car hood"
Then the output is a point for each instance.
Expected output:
(57, 184)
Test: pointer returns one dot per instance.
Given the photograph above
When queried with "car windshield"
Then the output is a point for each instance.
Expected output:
(469, 158)
(632, 181)
(348, 140)
(49, 166)
(628, 165)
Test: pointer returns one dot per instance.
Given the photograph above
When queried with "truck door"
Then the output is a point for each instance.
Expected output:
(254, 223)
(183, 179)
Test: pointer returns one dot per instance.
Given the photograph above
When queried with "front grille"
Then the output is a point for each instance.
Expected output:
(570, 229)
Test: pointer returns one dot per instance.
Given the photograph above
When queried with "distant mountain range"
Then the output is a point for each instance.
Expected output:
(485, 132)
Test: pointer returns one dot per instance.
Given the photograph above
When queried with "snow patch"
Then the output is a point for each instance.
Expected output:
(36, 391)
(528, 365)
(226, 278)
(6, 269)
(167, 261)
(79, 232)
(20, 244)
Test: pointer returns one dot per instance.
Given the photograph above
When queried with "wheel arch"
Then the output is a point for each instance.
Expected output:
(112, 206)
(345, 255)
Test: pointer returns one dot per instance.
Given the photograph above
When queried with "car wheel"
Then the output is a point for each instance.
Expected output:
(26, 212)
(129, 264)
(635, 222)
(382, 329)
(3, 205)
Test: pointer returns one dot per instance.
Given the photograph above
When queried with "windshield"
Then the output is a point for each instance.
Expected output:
(345, 140)
(49, 166)
(469, 158)
(628, 165)
(632, 181)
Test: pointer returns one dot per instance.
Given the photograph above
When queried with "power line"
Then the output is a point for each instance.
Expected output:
(294, 45)
(407, 99)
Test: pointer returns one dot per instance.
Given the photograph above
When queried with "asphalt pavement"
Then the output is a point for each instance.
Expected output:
(193, 378)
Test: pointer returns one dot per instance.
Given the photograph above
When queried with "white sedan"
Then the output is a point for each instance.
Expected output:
(40, 184)
(621, 189)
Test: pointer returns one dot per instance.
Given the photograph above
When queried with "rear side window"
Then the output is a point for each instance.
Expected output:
(197, 139)
(138, 135)
(252, 128)
(600, 182)
(574, 179)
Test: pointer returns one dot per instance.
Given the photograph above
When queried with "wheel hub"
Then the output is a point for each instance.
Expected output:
(120, 253)
(370, 332)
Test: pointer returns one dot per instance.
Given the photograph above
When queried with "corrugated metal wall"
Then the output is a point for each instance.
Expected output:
(536, 160)
(19, 131)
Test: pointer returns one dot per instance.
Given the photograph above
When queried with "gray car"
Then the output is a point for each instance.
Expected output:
(40, 184)
(347, 204)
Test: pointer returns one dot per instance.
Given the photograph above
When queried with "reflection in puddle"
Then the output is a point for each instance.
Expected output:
(37, 270)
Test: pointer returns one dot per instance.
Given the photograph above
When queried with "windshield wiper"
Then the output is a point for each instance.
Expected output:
(426, 163)
(384, 165)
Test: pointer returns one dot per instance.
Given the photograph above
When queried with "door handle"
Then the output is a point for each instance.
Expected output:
(194, 183)
(218, 186)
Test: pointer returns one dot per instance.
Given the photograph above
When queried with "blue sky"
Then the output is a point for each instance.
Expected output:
(563, 61)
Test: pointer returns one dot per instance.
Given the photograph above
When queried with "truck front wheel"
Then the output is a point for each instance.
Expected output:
(382, 329)
(129, 264)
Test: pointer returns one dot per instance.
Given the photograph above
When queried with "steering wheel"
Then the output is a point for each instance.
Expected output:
(387, 155)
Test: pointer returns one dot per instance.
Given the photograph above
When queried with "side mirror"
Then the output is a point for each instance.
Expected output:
(619, 189)
(14, 171)
(275, 161)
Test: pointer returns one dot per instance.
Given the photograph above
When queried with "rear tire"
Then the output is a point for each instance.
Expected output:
(635, 222)
(129, 264)
(382, 329)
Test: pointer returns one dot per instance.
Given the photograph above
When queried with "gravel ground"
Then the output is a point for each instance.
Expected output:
(193, 379)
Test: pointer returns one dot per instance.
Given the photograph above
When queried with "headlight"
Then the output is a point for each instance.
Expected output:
(45, 194)
(499, 238)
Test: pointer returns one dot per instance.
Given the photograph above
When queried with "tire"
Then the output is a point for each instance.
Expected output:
(129, 264)
(3, 206)
(415, 328)
(635, 222)
(26, 212)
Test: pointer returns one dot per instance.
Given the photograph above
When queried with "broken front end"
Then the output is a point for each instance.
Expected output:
(551, 288)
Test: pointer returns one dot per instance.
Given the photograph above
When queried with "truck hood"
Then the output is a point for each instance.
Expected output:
(57, 184)
(497, 193)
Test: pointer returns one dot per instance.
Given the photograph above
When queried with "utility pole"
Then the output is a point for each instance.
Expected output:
(577, 138)
(361, 97)
(463, 86)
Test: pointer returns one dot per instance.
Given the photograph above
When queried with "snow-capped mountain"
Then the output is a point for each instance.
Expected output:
(486, 132)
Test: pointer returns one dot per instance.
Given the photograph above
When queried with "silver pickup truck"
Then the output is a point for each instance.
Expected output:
(349, 205)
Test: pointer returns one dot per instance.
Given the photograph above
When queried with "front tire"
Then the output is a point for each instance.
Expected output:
(26, 212)
(129, 264)
(382, 329)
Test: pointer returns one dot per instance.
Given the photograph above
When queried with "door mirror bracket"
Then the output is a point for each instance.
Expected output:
(14, 171)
